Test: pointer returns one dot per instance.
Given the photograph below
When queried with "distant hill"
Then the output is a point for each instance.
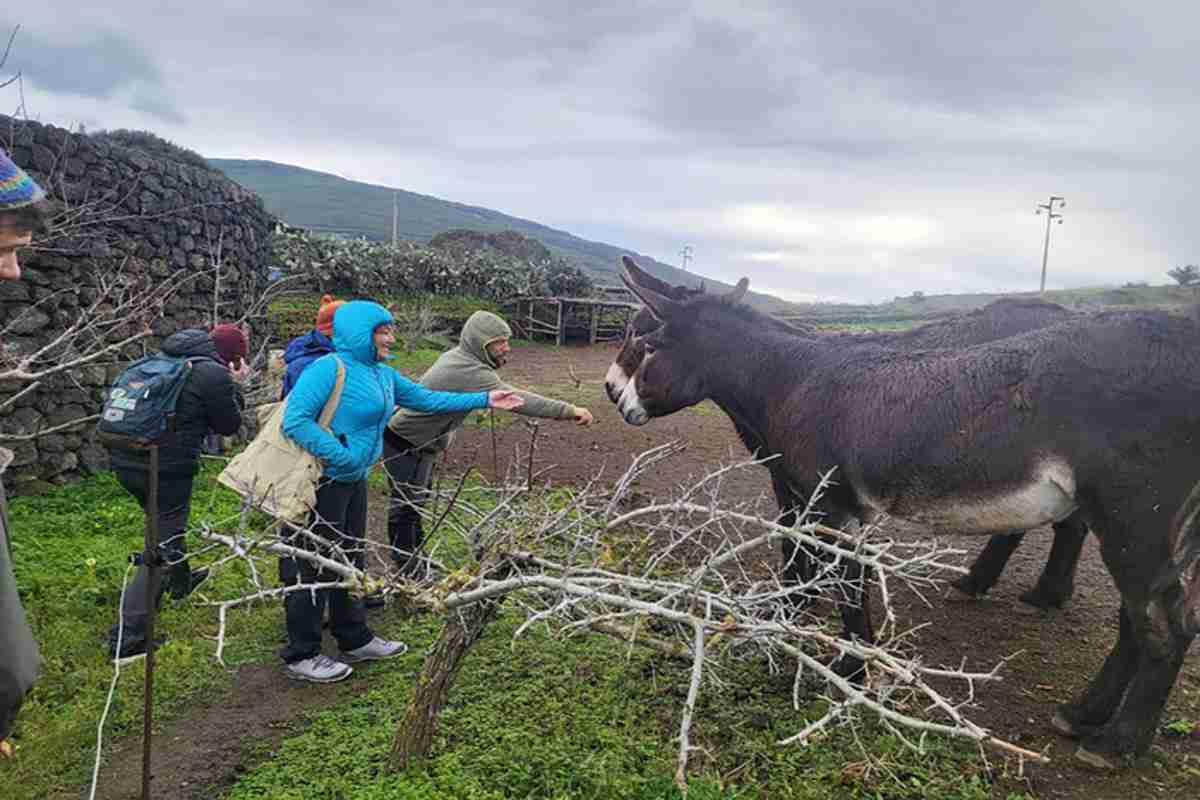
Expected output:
(919, 307)
(323, 202)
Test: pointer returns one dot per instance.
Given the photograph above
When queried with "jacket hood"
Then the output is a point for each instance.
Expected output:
(314, 343)
(354, 329)
(480, 329)
(191, 343)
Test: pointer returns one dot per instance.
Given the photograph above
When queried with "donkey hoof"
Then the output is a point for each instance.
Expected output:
(1103, 761)
(968, 586)
(1042, 600)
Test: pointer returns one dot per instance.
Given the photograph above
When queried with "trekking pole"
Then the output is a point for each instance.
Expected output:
(151, 560)
(495, 449)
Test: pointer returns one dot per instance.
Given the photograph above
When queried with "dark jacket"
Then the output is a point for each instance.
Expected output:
(302, 351)
(18, 651)
(210, 400)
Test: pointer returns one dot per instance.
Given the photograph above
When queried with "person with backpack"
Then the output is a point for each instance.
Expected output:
(211, 366)
(371, 392)
(304, 350)
(22, 211)
(414, 440)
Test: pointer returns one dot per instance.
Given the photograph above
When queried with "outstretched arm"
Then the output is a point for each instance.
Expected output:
(535, 405)
(418, 398)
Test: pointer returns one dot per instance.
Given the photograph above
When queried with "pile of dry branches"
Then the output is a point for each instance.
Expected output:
(693, 576)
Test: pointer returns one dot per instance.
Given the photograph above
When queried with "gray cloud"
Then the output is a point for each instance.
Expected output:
(99, 64)
(878, 147)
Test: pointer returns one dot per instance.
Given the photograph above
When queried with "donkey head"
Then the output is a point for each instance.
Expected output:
(633, 349)
(678, 355)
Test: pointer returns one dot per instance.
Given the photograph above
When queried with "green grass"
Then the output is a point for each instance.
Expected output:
(583, 718)
(414, 362)
(70, 550)
(539, 718)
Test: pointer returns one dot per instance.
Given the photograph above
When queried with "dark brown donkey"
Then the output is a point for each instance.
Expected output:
(1096, 414)
(997, 320)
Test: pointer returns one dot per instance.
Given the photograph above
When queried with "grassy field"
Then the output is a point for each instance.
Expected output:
(70, 550)
(540, 717)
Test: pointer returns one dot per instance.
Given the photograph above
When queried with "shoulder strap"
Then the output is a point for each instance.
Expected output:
(335, 398)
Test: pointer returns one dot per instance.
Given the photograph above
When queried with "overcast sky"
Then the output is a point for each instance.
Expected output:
(828, 151)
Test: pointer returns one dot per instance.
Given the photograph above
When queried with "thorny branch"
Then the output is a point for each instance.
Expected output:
(694, 577)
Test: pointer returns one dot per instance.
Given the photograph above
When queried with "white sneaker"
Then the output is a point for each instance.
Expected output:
(318, 669)
(374, 650)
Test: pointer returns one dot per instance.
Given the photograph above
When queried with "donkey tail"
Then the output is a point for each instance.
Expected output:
(1183, 570)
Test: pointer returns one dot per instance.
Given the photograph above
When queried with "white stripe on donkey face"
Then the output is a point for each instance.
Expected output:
(615, 381)
(630, 405)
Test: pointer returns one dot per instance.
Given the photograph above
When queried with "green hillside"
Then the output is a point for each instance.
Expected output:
(322, 202)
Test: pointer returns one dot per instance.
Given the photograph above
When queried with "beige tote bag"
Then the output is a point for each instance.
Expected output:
(275, 474)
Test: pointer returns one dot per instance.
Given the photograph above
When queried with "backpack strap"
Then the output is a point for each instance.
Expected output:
(335, 398)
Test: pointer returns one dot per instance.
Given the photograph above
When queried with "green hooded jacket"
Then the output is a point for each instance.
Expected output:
(468, 368)
(18, 651)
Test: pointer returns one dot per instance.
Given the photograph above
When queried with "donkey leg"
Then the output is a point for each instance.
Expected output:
(1057, 581)
(798, 564)
(1090, 712)
(855, 608)
(988, 565)
(1162, 638)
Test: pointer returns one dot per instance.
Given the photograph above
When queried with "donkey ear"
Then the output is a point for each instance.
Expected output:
(662, 306)
(646, 280)
(739, 291)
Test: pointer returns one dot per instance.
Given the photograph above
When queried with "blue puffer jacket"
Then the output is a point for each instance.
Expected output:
(370, 397)
(302, 351)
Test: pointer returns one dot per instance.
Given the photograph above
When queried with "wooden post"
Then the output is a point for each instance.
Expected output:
(559, 337)
(595, 322)
(150, 559)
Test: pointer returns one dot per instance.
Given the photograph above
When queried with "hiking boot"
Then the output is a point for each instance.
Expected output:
(184, 582)
(318, 669)
(374, 650)
(132, 647)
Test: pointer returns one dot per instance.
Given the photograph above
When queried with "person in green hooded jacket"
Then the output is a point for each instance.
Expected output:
(22, 213)
(413, 440)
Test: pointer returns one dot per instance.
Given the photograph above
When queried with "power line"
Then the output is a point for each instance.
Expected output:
(1051, 215)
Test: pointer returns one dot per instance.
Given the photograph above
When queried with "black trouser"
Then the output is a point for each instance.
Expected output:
(409, 473)
(174, 504)
(342, 521)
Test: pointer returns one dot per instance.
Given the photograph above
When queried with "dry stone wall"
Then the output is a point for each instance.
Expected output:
(152, 220)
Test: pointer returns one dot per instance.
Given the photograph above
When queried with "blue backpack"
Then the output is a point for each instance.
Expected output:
(139, 409)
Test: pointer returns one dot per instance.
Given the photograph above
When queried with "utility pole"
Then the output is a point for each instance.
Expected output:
(395, 217)
(1051, 215)
(686, 255)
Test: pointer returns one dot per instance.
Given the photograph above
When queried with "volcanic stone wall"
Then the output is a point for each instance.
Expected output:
(138, 221)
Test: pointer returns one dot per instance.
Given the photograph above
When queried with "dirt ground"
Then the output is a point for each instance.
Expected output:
(1051, 655)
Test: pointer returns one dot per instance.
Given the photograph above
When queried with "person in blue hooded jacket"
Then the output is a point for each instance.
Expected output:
(362, 339)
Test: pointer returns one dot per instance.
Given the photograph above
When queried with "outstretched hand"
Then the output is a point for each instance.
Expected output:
(583, 416)
(504, 400)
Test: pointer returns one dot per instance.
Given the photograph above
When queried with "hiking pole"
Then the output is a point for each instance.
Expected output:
(151, 560)
(495, 456)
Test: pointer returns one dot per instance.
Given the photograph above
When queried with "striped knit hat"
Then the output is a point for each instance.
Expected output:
(17, 189)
